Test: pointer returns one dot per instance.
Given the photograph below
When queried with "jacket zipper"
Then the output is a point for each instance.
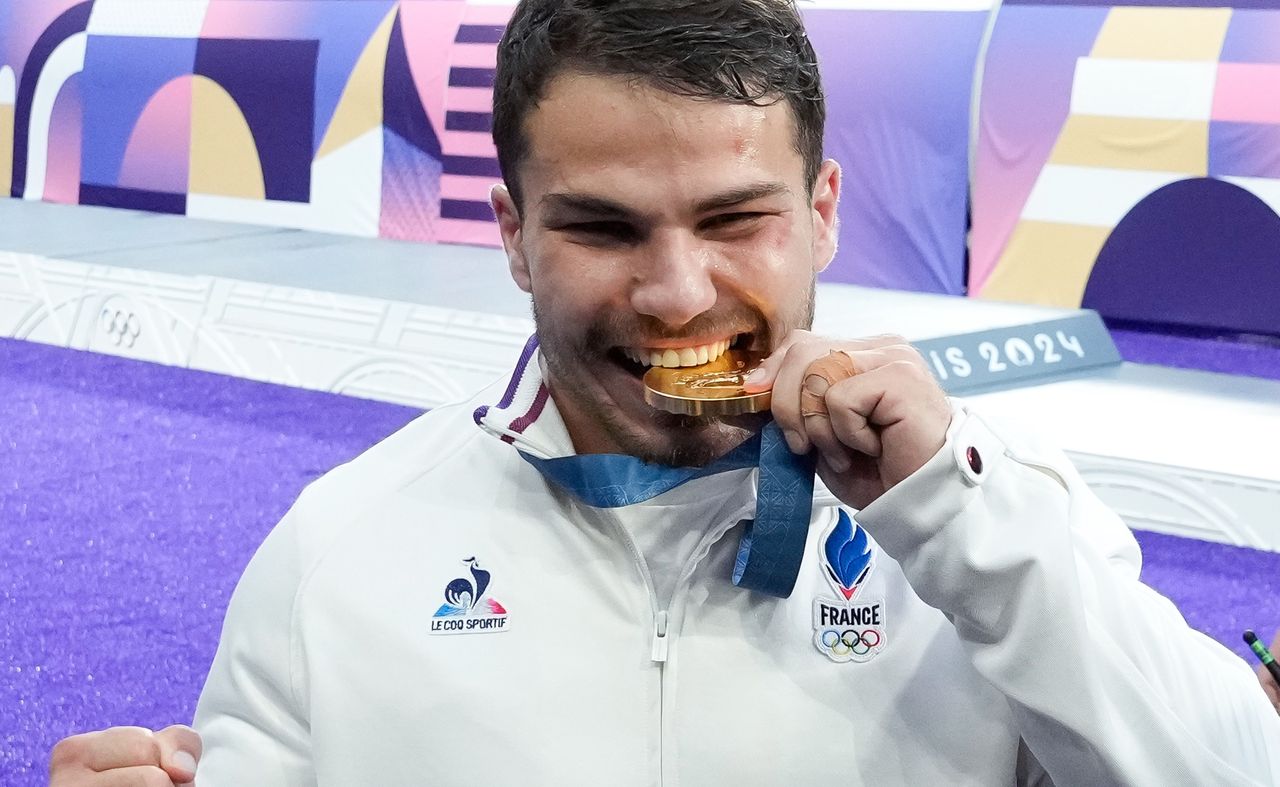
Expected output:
(659, 651)
(658, 647)
(660, 642)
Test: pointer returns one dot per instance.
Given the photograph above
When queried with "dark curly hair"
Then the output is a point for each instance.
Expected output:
(740, 51)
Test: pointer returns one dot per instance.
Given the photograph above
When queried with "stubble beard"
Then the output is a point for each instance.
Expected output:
(659, 437)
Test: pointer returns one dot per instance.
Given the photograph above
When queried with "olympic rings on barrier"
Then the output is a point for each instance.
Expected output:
(124, 328)
(857, 642)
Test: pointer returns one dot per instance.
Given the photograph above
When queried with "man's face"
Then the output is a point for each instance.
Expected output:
(653, 222)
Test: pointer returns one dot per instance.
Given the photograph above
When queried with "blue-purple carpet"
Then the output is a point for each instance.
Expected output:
(132, 495)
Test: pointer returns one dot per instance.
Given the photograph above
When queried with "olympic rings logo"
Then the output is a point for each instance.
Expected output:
(123, 328)
(851, 642)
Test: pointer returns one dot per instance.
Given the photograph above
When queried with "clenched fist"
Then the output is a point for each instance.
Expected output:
(869, 406)
(126, 757)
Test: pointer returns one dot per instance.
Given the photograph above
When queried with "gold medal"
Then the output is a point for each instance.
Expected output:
(712, 389)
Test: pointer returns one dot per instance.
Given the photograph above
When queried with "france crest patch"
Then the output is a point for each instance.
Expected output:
(849, 627)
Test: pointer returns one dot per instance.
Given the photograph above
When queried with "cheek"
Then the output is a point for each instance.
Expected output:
(780, 236)
(782, 254)
(573, 280)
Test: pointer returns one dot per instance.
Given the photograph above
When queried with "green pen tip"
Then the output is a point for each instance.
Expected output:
(1250, 637)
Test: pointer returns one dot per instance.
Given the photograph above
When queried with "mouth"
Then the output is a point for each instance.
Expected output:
(638, 360)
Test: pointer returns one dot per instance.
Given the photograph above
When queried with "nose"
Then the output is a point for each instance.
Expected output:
(674, 283)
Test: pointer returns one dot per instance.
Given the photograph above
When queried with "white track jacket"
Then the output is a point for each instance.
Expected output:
(436, 613)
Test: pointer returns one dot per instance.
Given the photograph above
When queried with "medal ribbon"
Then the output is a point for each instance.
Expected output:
(771, 549)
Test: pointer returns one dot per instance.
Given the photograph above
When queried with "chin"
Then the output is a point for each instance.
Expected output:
(676, 440)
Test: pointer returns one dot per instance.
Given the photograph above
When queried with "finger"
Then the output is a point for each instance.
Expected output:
(830, 449)
(827, 374)
(137, 776)
(849, 407)
(888, 395)
(897, 401)
(788, 386)
(819, 377)
(180, 750)
(118, 747)
(763, 376)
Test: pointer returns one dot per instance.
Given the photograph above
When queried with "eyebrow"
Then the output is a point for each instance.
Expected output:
(600, 206)
(740, 195)
(586, 203)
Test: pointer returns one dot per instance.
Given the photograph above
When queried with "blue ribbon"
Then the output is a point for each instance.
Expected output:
(771, 549)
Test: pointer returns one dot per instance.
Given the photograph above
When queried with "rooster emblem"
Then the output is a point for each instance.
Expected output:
(463, 595)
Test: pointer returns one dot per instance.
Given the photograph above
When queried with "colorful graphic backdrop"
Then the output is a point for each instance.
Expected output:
(1129, 160)
(366, 117)
(372, 117)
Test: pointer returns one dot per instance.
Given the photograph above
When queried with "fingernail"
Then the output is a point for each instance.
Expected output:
(838, 462)
(756, 375)
(185, 761)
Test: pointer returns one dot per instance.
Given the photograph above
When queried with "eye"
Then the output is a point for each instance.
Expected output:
(728, 220)
(603, 231)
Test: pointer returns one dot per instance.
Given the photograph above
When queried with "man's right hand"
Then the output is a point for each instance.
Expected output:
(126, 757)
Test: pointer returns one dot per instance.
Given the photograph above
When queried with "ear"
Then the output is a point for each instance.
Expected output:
(826, 224)
(509, 225)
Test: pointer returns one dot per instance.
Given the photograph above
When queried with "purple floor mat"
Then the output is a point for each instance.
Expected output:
(1251, 356)
(132, 495)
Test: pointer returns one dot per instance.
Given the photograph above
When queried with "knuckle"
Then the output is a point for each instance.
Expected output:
(911, 369)
(68, 751)
(180, 736)
(153, 777)
(142, 750)
(910, 353)
(808, 347)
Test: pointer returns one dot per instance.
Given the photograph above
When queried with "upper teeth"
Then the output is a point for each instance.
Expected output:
(684, 356)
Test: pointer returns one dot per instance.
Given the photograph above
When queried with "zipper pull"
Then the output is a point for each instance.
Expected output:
(659, 653)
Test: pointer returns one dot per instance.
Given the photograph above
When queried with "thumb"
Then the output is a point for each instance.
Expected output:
(180, 750)
(761, 378)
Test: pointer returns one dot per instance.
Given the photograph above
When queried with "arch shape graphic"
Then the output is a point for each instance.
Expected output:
(1201, 252)
(63, 158)
(66, 60)
(224, 157)
(157, 156)
(70, 23)
(359, 109)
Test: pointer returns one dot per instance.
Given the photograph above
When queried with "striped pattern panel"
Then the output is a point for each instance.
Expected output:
(470, 160)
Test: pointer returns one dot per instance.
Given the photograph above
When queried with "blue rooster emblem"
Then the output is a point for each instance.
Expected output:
(847, 555)
(462, 595)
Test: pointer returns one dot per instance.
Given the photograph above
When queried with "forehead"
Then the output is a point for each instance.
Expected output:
(622, 137)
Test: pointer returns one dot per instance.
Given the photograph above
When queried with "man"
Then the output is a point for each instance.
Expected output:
(468, 603)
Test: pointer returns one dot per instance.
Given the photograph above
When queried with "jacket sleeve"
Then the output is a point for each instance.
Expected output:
(1107, 682)
(252, 713)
